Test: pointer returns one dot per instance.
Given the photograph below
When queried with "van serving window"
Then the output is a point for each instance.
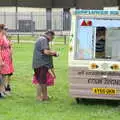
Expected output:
(97, 39)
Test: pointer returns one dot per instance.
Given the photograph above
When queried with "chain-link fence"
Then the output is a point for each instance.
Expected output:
(28, 25)
(33, 22)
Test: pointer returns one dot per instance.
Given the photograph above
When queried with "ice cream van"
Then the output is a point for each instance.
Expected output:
(94, 54)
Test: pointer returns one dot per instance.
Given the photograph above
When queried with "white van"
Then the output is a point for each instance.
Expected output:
(94, 54)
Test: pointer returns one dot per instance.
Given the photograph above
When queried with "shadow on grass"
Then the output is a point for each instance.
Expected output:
(85, 101)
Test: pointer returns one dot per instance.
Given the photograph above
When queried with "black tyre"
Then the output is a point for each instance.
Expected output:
(77, 100)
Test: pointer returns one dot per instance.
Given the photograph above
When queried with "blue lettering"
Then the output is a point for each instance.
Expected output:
(97, 12)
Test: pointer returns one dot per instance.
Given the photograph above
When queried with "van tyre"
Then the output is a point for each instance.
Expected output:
(77, 100)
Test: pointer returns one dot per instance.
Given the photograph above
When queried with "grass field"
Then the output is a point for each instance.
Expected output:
(33, 38)
(23, 106)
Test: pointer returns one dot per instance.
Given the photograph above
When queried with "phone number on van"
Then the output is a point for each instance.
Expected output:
(104, 81)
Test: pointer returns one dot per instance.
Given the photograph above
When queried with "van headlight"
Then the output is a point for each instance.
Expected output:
(115, 67)
(94, 66)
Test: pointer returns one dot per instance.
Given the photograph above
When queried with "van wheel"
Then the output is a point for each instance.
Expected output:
(77, 100)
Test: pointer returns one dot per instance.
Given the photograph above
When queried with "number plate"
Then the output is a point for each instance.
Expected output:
(106, 91)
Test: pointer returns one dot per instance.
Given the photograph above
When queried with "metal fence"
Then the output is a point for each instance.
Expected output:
(33, 22)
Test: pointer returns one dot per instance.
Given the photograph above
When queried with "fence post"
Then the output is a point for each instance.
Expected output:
(66, 19)
(4, 17)
(65, 40)
(48, 18)
(18, 38)
(16, 15)
(32, 31)
(16, 11)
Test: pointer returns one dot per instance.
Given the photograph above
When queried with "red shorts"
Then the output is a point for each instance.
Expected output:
(49, 80)
(41, 74)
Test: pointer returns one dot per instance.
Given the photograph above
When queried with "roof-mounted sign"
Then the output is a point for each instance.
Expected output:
(97, 12)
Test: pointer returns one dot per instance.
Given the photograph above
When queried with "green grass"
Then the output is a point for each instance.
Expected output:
(23, 106)
(34, 38)
(60, 38)
(25, 37)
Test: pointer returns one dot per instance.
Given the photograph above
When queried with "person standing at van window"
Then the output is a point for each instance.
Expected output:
(41, 61)
(7, 68)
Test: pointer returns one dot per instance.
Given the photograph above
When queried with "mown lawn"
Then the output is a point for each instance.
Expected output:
(23, 106)
(33, 38)
(24, 37)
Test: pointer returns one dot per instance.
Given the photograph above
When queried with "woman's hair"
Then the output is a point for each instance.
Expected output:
(2, 27)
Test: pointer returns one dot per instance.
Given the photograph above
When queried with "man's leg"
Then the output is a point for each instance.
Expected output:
(39, 92)
(5, 79)
(44, 91)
